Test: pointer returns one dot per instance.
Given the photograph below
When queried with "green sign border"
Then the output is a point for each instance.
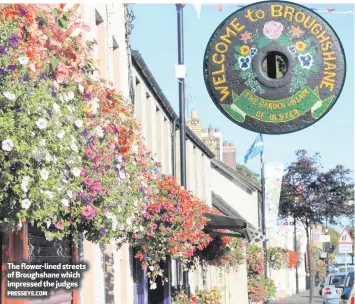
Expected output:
(220, 107)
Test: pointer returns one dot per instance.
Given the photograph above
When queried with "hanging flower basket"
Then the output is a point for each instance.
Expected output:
(172, 224)
(278, 258)
(255, 259)
(260, 289)
(292, 259)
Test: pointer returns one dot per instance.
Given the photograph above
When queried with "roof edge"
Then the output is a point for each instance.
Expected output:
(236, 175)
(148, 77)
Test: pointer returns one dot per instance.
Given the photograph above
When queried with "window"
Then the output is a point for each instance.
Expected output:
(349, 280)
(337, 279)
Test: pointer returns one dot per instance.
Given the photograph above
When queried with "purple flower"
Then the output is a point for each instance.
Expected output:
(89, 200)
(12, 67)
(67, 167)
(42, 76)
(22, 12)
(13, 40)
(87, 95)
(26, 78)
(85, 133)
(2, 71)
(3, 50)
(54, 93)
(103, 230)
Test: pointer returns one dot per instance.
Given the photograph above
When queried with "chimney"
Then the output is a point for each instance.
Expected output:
(229, 155)
(210, 131)
(193, 114)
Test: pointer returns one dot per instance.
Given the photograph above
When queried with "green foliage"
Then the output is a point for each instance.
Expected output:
(320, 195)
(334, 236)
(245, 171)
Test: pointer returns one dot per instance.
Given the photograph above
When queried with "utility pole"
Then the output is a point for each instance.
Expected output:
(263, 211)
(181, 78)
(295, 238)
(295, 248)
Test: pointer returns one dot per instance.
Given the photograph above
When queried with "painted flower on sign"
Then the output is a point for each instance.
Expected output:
(300, 46)
(306, 60)
(273, 29)
(244, 62)
(253, 52)
(244, 50)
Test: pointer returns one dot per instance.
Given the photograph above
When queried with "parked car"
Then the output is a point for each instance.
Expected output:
(331, 290)
(347, 288)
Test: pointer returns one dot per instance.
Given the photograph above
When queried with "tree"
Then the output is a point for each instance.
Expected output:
(334, 236)
(310, 196)
(244, 170)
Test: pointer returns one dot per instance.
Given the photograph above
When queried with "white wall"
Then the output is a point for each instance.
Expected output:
(236, 196)
(113, 27)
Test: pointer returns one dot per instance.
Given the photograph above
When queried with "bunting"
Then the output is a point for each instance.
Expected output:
(198, 7)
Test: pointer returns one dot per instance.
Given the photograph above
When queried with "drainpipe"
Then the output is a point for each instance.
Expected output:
(173, 147)
(173, 159)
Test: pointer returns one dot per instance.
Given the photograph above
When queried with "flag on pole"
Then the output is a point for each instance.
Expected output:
(255, 149)
(219, 7)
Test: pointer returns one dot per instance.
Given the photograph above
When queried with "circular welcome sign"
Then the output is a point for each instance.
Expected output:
(274, 67)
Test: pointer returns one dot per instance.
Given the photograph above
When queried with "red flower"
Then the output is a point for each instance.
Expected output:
(140, 256)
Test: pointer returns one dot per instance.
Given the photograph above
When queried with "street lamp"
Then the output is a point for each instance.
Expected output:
(180, 73)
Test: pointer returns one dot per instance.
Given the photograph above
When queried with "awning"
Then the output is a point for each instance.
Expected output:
(232, 221)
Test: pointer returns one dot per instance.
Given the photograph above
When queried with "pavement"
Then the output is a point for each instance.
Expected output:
(301, 298)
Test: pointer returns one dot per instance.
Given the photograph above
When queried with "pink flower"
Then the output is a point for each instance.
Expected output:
(111, 145)
(87, 211)
(83, 172)
(90, 154)
(154, 226)
(157, 209)
(88, 181)
(95, 187)
(62, 72)
(59, 225)
(148, 233)
(91, 216)
(273, 29)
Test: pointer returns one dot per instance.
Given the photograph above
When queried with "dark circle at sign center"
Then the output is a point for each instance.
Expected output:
(270, 52)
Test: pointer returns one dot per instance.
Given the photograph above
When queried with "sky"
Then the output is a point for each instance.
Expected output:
(155, 37)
